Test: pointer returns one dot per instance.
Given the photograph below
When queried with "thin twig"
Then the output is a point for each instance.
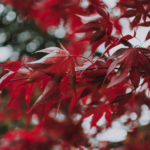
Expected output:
(19, 79)
(66, 72)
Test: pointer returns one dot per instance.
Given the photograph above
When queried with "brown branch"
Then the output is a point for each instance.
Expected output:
(67, 73)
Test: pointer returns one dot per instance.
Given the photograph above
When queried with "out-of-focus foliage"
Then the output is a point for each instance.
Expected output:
(20, 36)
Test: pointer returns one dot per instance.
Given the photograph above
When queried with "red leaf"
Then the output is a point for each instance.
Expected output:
(134, 33)
(64, 49)
(127, 37)
(5, 79)
(13, 66)
(97, 36)
(148, 8)
(118, 53)
(122, 100)
(135, 76)
(140, 6)
(143, 62)
(52, 58)
(98, 3)
(148, 36)
(72, 103)
(145, 24)
(119, 77)
(128, 4)
(72, 81)
(15, 95)
(101, 12)
(28, 94)
(47, 70)
(108, 117)
(136, 21)
(144, 1)
(113, 65)
(116, 42)
(87, 114)
(80, 148)
(40, 74)
(88, 27)
(96, 45)
(52, 91)
(72, 74)
(50, 50)
(129, 13)
(99, 113)
(110, 46)
(47, 108)
(143, 50)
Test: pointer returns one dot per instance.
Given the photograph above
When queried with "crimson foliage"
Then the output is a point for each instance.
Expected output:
(70, 84)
